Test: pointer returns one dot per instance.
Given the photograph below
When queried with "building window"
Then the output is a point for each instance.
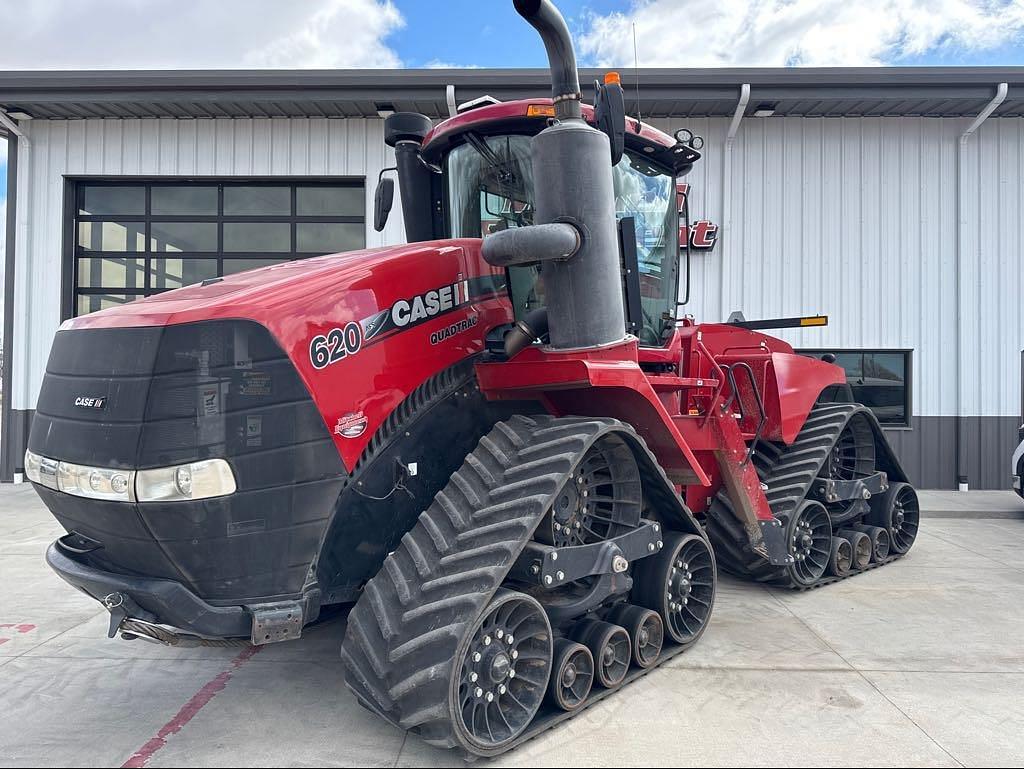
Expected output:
(133, 239)
(880, 379)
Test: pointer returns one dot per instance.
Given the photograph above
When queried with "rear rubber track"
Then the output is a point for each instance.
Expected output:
(403, 633)
(789, 473)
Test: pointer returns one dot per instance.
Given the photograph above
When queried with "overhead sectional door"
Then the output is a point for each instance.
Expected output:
(136, 238)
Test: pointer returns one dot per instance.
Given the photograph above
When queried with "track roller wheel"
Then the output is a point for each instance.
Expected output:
(841, 559)
(506, 661)
(572, 674)
(861, 546)
(610, 646)
(809, 532)
(678, 582)
(898, 511)
(879, 541)
(645, 628)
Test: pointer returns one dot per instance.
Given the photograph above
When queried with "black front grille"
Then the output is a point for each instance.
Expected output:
(178, 394)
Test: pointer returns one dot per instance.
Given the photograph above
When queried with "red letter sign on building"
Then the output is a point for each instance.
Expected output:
(702, 234)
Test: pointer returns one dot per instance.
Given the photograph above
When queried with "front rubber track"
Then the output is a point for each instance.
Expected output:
(403, 633)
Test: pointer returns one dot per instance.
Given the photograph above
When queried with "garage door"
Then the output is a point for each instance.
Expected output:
(133, 239)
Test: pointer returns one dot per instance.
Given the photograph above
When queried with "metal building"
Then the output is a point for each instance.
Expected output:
(875, 196)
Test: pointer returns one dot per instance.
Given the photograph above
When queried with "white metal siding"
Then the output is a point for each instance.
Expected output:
(224, 148)
(856, 218)
(851, 217)
(993, 268)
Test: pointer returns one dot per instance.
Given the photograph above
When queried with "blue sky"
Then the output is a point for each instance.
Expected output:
(482, 34)
(463, 35)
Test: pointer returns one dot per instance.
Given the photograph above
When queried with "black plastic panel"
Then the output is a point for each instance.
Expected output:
(179, 394)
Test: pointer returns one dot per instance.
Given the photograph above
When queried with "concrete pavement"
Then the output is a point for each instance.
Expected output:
(918, 663)
(971, 504)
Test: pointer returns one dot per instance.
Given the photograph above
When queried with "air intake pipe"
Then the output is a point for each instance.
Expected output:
(571, 163)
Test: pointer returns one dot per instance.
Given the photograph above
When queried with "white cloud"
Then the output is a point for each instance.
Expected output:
(196, 34)
(441, 64)
(695, 33)
(342, 33)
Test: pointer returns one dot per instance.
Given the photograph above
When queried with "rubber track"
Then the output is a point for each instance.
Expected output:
(788, 472)
(403, 633)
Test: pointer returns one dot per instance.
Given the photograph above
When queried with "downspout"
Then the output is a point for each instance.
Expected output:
(18, 145)
(730, 138)
(963, 483)
(449, 96)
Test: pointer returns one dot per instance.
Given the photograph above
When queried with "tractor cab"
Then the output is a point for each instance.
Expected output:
(479, 171)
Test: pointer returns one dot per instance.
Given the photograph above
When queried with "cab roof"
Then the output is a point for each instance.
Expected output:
(529, 116)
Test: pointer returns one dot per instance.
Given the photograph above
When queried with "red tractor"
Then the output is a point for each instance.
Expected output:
(498, 441)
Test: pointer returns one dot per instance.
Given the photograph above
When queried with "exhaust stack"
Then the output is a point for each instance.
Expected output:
(575, 203)
(565, 80)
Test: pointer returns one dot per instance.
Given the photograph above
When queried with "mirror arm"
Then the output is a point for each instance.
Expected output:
(686, 250)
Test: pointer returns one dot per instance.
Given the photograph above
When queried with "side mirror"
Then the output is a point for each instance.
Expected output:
(610, 115)
(383, 200)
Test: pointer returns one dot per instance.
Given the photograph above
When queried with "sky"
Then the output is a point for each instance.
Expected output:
(197, 34)
(142, 34)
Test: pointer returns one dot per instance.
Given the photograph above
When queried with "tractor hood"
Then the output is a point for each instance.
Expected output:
(343, 281)
(362, 330)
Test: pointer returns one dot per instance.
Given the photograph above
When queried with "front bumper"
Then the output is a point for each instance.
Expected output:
(163, 601)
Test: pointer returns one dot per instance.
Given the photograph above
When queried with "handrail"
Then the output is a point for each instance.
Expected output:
(734, 390)
(760, 406)
(701, 349)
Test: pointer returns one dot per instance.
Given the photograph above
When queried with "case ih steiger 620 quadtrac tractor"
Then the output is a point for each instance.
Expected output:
(498, 441)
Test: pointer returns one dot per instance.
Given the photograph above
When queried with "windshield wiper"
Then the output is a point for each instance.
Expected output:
(502, 168)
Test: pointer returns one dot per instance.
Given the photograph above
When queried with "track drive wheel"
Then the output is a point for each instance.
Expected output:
(678, 583)
(646, 631)
(853, 455)
(611, 646)
(809, 533)
(841, 559)
(572, 674)
(504, 669)
(898, 511)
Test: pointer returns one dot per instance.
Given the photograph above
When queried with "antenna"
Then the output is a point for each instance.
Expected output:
(636, 78)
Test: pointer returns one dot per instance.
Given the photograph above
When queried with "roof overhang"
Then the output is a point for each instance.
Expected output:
(825, 92)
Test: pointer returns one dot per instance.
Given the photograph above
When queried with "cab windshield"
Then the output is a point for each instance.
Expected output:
(490, 188)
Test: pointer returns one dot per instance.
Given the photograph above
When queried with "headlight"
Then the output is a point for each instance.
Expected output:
(41, 470)
(198, 480)
(33, 463)
(95, 482)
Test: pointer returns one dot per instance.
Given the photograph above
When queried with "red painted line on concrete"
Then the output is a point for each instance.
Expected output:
(20, 628)
(198, 701)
